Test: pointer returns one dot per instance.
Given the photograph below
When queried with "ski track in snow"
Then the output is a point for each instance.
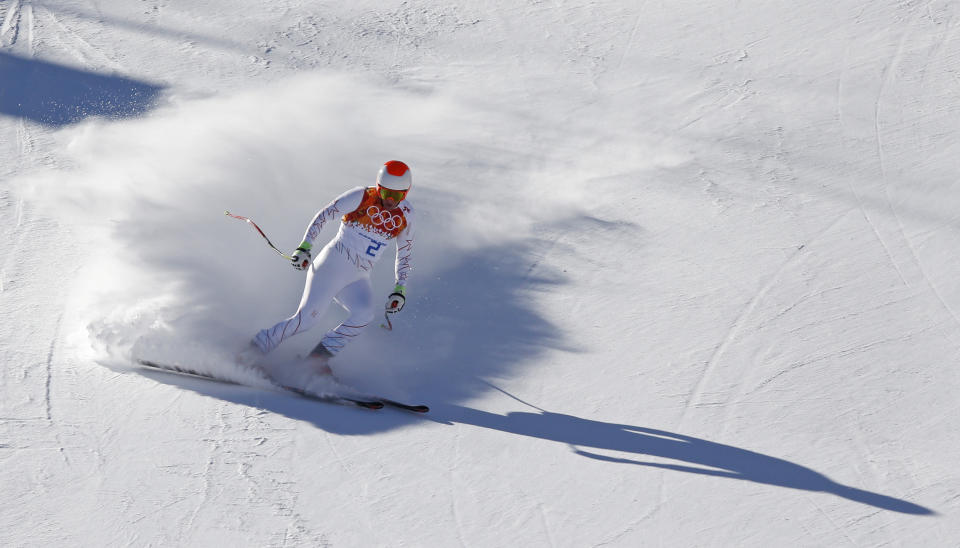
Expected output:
(456, 489)
(694, 400)
(89, 55)
(10, 29)
(887, 80)
(888, 77)
(49, 368)
(840, 530)
(633, 34)
(545, 523)
(212, 448)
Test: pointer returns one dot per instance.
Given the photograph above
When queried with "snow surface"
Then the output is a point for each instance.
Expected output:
(685, 274)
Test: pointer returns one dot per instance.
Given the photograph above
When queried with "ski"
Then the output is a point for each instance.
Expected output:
(368, 404)
(342, 400)
(415, 408)
(418, 408)
(368, 400)
(362, 400)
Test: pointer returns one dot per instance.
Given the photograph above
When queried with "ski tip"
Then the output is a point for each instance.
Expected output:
(407, 407)
(366, 404)
(155, 365)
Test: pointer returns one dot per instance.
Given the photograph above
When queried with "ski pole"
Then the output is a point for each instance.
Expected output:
(254, 225)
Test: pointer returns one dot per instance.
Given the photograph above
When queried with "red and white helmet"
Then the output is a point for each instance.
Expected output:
(394, 175)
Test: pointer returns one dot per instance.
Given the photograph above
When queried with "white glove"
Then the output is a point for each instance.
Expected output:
(301, 258)
(396, 300)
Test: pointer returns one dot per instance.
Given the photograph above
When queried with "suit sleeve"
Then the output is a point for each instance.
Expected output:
(345, 203)
(404, 263)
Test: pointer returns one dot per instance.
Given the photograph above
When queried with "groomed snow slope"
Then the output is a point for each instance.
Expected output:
(685, 272)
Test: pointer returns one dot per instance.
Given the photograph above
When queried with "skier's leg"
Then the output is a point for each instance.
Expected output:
(326, 276)
(357, 298)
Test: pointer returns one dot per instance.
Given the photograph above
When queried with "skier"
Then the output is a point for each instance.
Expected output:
(371, 217)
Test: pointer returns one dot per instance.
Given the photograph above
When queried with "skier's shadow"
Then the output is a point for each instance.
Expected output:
(584, 436)
(693, 455)
(445, 347)
(475, 319)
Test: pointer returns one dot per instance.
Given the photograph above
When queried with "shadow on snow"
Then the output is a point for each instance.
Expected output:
(693, 455)
(482, 324)
(57, 95)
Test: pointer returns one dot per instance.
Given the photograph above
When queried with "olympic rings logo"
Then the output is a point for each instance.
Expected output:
(383, 218)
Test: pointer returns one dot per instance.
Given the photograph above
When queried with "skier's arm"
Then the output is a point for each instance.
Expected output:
(348, 201)
(402, 268)
(404, 262)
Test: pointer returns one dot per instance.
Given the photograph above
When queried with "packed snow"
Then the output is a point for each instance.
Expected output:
(685, 272)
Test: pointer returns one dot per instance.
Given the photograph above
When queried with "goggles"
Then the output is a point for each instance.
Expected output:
(395, 195)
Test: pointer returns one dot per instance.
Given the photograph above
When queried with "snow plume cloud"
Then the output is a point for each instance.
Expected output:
(165, 274)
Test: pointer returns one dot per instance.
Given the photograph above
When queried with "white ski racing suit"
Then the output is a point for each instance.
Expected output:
(341, 271)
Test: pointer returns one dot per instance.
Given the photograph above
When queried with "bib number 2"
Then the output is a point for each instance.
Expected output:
(373, 248)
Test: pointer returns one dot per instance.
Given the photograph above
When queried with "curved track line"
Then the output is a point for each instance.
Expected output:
(889, 77)
(633, 34)
(731, 334)
(747, 310)
(11, 25)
